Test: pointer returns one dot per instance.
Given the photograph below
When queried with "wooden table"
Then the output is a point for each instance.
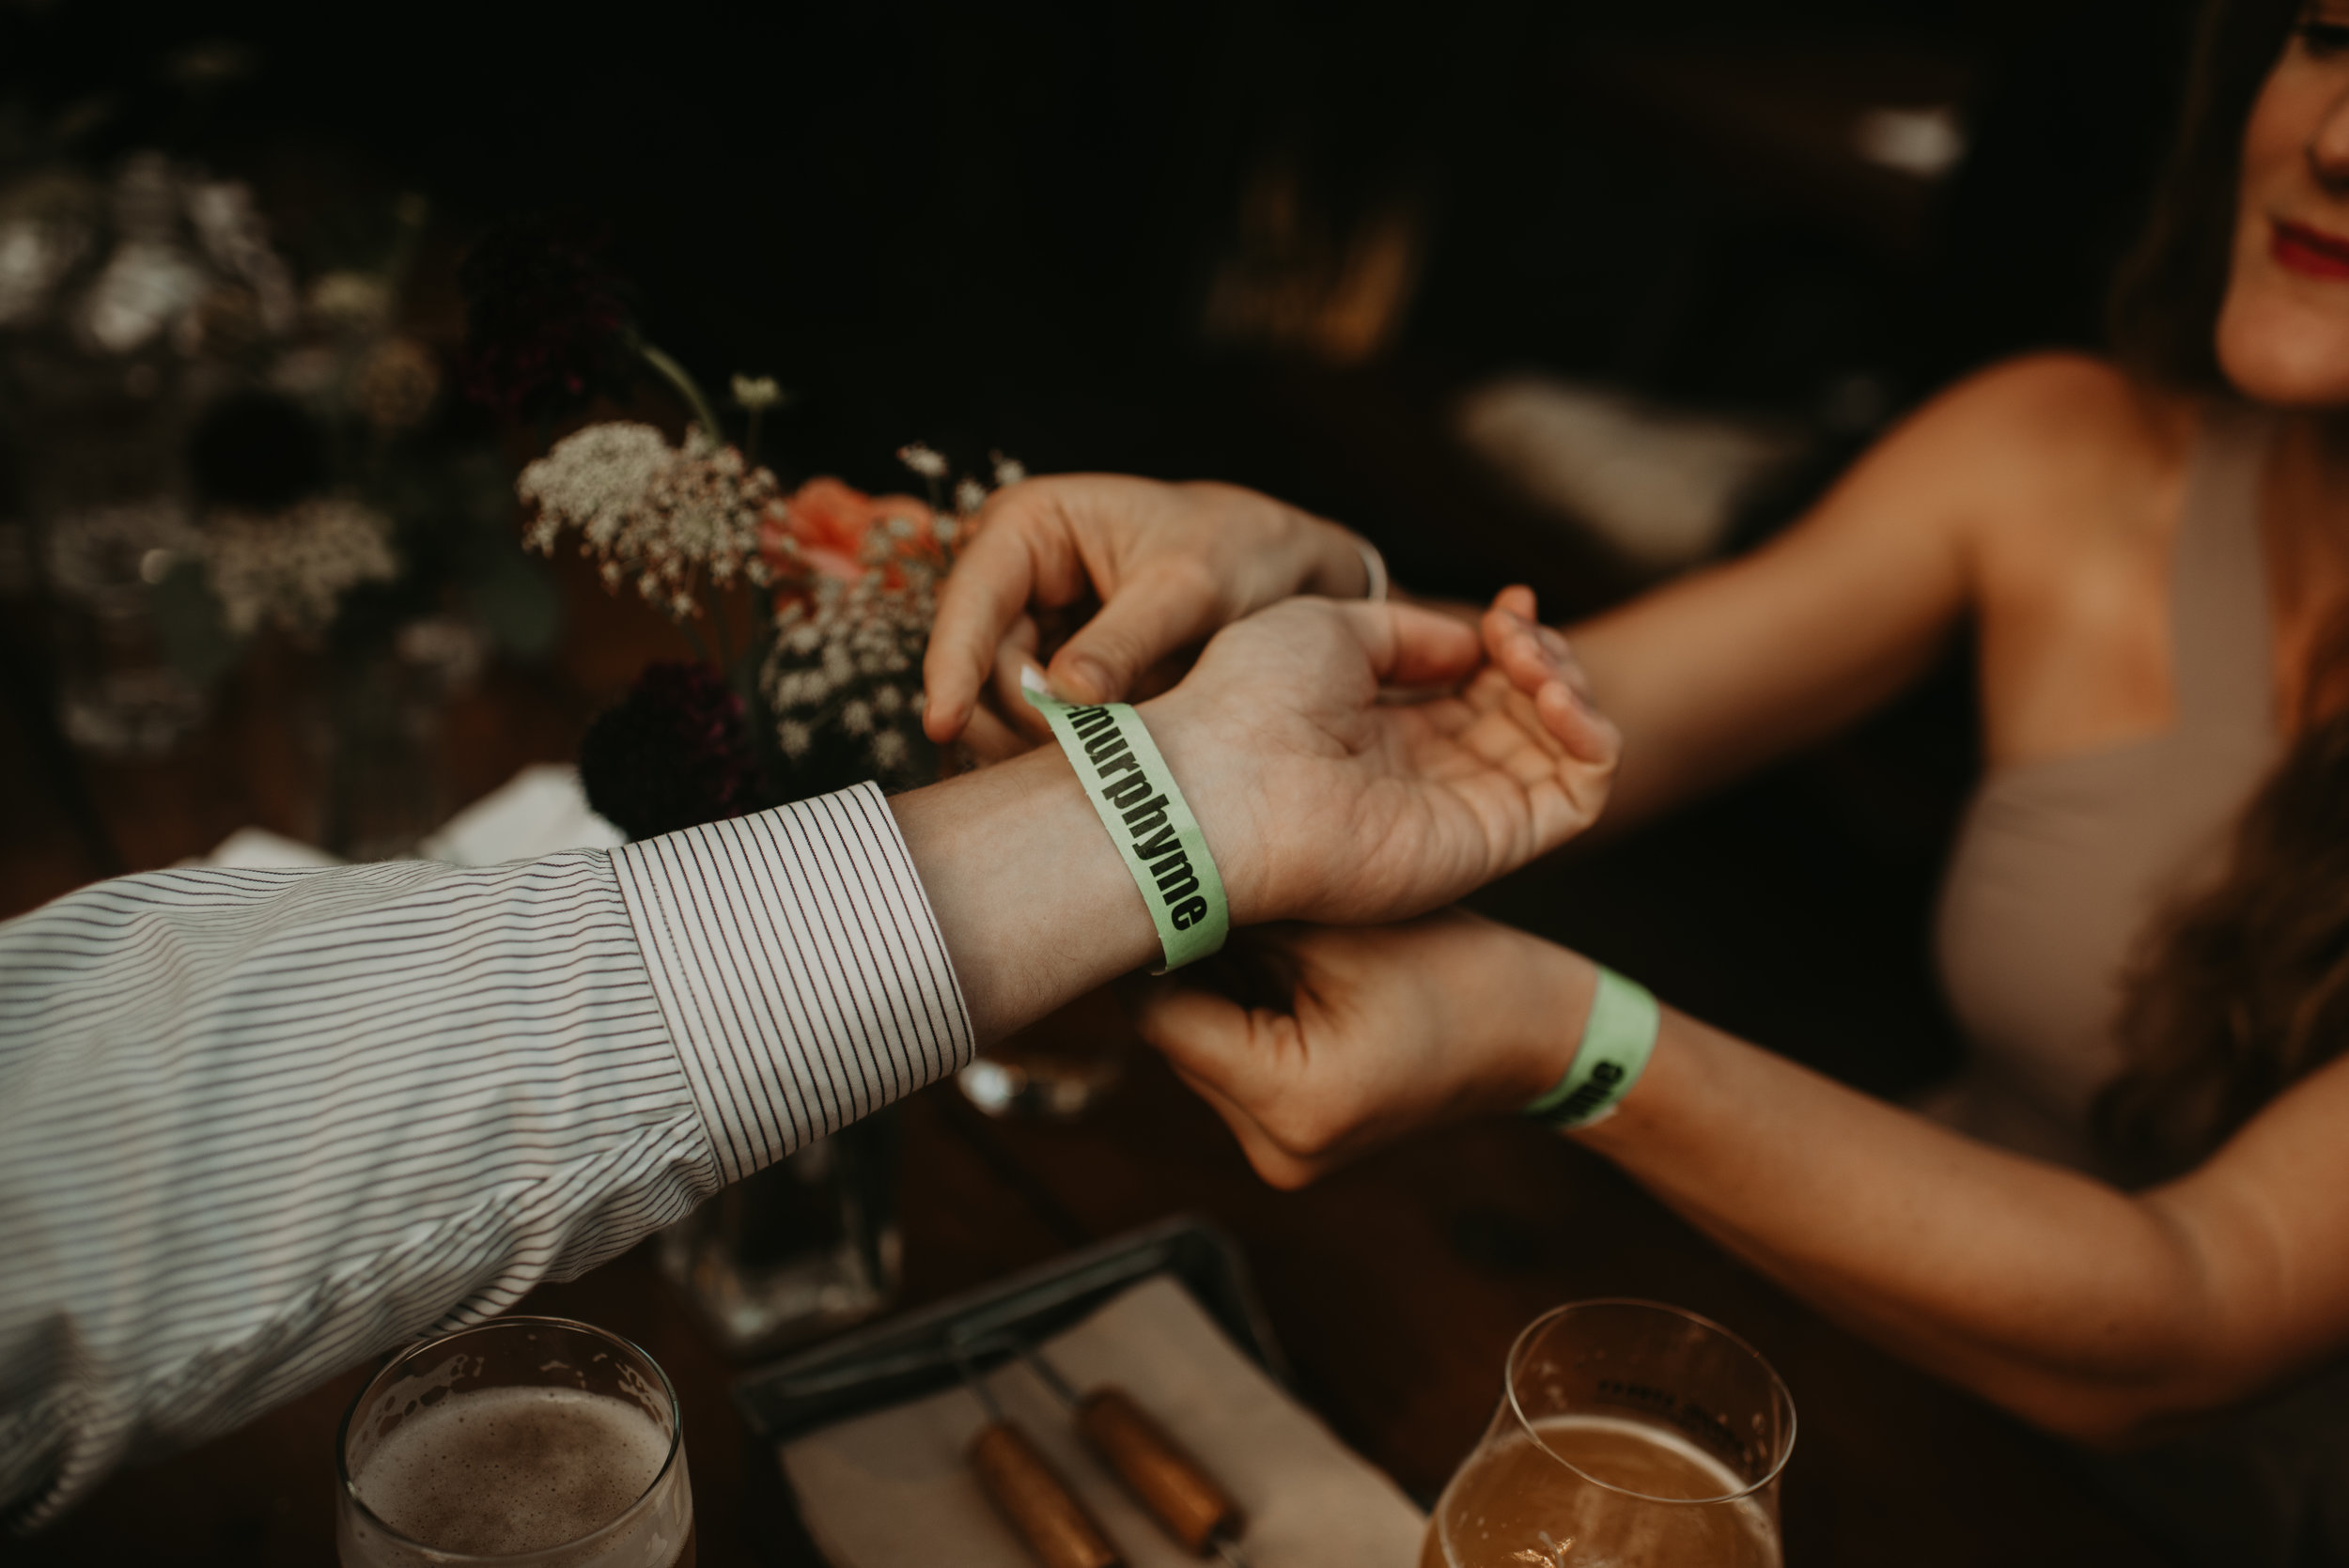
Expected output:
(1396, 1286)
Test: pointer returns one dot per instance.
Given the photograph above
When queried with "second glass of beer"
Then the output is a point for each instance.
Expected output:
(1629, 1435)
(531, 1441)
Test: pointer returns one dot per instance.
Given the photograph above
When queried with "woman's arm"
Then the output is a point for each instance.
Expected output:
(2093, 1312)
(1984, 494)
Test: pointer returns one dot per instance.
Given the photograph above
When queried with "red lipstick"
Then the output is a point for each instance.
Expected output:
(2309, 252)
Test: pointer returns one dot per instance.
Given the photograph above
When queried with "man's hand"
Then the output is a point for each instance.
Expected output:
(1323, 801)
(1170, 565)
(1321, 796)
(1368, 1035)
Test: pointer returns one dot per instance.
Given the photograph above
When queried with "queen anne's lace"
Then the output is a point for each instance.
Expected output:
(663, 518)
(291, 568)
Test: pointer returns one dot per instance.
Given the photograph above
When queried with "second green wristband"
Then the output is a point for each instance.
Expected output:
(1618, 1037)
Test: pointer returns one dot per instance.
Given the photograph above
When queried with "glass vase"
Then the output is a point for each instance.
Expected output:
(806, 1248)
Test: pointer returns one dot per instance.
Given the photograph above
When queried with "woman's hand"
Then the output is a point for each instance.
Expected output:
(1321, 795)
(1372, 1033)
(1323, 800)
(1171, 564)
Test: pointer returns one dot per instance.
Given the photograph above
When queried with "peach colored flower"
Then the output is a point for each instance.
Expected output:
(828, 523)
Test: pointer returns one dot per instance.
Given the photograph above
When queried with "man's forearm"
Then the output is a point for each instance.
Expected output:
(1034, 900)
(255, 1125)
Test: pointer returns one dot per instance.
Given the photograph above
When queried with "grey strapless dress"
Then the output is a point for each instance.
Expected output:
(2059, 869)
(2059, 865)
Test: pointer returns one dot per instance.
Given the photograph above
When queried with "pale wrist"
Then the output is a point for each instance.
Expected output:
(1214, 775)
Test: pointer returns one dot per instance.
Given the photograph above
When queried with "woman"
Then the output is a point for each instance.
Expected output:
(2146, 927)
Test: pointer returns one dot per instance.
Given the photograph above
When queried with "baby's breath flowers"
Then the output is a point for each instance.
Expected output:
(755, 396)
(843, 675)
(663, 519)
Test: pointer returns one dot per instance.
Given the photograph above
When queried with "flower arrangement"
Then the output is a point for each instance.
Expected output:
(822, 690)
(840, 677)
(850, 584)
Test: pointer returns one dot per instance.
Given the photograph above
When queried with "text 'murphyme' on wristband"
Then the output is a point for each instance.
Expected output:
(1617, 1039)
(1134, 792)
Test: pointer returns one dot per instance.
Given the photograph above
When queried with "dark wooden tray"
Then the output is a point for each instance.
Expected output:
(907, 1357)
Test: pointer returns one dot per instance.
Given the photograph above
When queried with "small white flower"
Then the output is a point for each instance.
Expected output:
(920, 458)
(891, 751)
(857, 718)
(1008, 470)
(889, 700)
(756, 392)
(794, 738)
(970, 495)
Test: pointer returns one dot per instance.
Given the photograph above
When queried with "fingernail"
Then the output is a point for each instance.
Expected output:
(1088, 675)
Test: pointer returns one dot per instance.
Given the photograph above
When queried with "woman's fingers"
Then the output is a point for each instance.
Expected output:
(1153, 614)
(1206, 1036)
(1230, 1057)
(989, 740)
(1540, 663)
(1273, 1160)
(988, 592)
(1588, 735)
(1026, 546)
(1411, 647)
(1014, 656)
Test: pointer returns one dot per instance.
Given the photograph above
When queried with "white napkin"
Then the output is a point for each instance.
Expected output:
(893, 1489)
(540, 810)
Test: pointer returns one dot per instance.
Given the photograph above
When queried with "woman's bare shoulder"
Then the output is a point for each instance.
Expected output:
(2049, 438)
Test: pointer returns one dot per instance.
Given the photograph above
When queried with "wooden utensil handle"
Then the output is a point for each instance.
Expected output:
(1169, 1482)
(1048, 1516)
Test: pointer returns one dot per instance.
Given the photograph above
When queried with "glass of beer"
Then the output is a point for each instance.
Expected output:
(530, 1440)
(1629, 1434)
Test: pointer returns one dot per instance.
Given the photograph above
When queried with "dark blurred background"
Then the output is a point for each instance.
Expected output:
(1285, 245)
(1581, 294)
(1037, 228)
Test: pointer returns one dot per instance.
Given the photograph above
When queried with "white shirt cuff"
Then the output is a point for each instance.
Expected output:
(801, 970)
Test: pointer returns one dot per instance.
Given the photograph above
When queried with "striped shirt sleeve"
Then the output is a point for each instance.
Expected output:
(258, 1126)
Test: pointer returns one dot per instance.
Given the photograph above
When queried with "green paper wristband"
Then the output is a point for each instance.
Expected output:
(1133, 790)
(1617, 1039)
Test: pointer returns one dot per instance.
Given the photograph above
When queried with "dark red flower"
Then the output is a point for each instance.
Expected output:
(675, 753)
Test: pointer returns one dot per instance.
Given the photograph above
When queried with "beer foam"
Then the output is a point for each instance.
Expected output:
(507, 1470)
